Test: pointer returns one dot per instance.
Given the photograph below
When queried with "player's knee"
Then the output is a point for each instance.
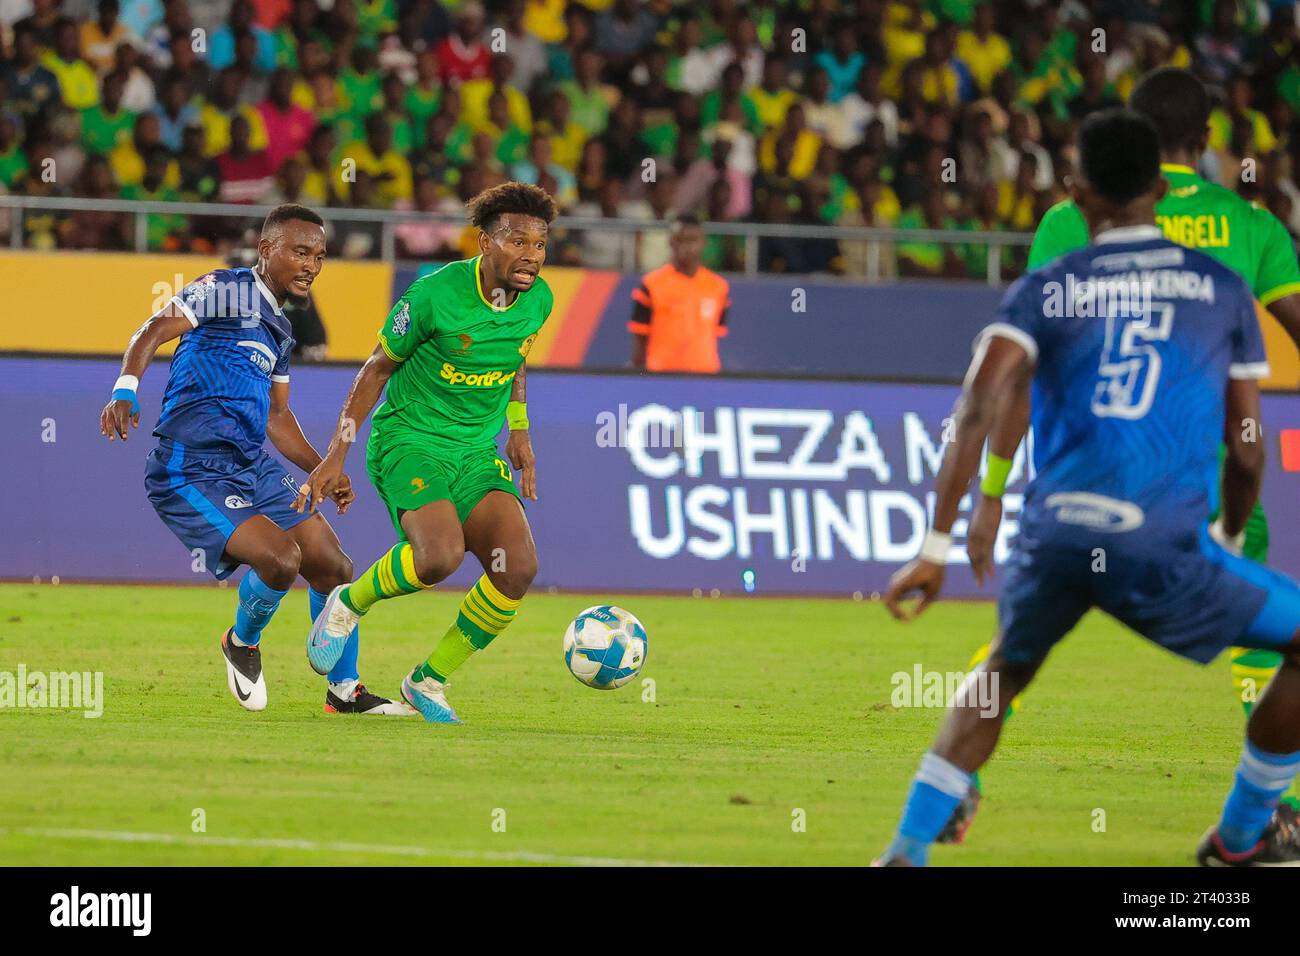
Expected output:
(514, 579)
(433, 563)
(279, 568)
(334, 568)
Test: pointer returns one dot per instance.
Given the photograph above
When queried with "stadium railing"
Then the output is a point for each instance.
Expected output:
(876, 239)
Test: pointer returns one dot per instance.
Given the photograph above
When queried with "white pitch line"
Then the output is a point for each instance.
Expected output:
(314, 846)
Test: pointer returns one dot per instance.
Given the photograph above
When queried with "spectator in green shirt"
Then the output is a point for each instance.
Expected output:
(590, 105)
(107, 125)
(166, 231)
(13, 161)
(395, 112)
(424, 97)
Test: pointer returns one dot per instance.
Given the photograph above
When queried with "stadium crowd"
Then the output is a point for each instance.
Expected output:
(951, 114)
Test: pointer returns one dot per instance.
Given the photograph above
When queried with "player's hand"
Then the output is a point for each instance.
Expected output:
(982, 535)
(115, 418)
(343, 494)
(519, 449)
(320, 484)
(925, 578)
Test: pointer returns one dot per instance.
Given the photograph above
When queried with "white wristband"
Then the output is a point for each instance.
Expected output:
(1233, 543)
(127, 381)
(935, 547)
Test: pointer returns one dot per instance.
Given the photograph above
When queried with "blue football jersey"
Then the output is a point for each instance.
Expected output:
(219, 390)
(1135, 339)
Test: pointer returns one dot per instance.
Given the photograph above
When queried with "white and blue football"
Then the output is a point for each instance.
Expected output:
(605, 647)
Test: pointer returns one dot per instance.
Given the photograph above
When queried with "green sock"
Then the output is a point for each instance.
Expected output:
(484, 613)
(391, 576)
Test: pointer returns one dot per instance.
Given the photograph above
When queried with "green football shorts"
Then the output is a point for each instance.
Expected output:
(408, 478)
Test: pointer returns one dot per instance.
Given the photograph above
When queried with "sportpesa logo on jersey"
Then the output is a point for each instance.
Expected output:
(454, 376)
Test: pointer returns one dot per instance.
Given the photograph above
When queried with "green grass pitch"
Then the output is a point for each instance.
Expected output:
(762, 707)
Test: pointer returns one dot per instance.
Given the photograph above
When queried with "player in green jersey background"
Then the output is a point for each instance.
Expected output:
(1194, 212)
(452, 353)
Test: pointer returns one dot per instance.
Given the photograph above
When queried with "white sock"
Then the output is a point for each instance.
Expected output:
(344, 690)
(234, 639)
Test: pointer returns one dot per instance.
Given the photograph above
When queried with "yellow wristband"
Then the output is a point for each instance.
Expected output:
(996, 470)
(517, 416)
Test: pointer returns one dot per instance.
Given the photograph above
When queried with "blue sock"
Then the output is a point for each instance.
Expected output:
(257, 602)
(936, 790)
(1261, 779)
(346, 668)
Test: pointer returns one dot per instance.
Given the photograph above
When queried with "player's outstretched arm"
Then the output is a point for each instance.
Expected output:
(1001, 368)
(519, 447)
(1009, 429)
(1243, 470)
(123, 410)
(285, 432)
(325, 479)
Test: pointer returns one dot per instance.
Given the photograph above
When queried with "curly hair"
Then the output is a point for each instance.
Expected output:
(521, 198)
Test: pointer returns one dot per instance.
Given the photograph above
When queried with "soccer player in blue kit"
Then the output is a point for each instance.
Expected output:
(1142, 356)
(210, 480)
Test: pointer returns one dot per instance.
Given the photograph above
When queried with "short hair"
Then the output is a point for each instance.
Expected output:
(1119, 154)
(524, 199)
(1176, 103)
(290, 212)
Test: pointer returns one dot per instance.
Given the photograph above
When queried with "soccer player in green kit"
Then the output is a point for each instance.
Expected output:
(452, 354)
(1201, 215)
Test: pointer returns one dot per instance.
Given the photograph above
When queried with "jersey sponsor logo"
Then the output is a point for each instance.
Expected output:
(261, 356)
(527, 345)
(1095, 512)
(466, 343)
(402, 320)
(234, 502)
(455, 376)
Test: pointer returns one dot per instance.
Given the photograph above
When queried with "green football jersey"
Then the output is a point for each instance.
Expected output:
(1246, 238)
(458, 356)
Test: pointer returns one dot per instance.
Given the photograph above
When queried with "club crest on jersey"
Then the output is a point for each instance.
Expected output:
(402, 320)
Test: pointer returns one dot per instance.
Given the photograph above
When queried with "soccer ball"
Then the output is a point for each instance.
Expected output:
(605, 647)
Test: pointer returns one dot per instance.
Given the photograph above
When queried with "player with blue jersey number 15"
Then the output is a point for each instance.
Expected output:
(209, 478)
(1155, 360)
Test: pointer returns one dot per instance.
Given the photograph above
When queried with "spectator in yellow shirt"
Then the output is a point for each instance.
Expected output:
(215, 115)
(128, 159)
(903, 35)
(100, 38)
(772, 98)
(544, 19)
(567, 137)
(805, 144)
(474, 96)
(78, 84)
(1238, 107)
(985, 53)
(388, 168)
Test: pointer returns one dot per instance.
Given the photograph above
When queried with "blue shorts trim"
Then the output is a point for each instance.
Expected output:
(1191, 598)
(203, 495)
(187, 491)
